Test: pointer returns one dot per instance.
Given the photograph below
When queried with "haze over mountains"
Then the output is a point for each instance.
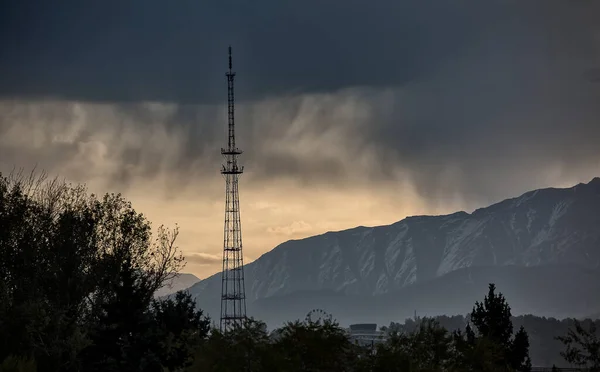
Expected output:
(541, 250)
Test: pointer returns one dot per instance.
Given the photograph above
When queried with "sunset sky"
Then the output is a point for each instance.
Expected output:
(350, 113)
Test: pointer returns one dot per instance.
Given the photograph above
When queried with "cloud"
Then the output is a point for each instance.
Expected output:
(295, 228)
(170, 179)
(153, 50)
(203, 259)
(455, 97)
(471, 144)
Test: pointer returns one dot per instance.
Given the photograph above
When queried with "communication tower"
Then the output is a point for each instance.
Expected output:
(233, 291)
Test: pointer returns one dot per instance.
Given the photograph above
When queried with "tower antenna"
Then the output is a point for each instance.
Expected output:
(233, 290)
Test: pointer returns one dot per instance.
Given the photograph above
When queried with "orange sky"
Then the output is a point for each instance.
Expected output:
(276, 213)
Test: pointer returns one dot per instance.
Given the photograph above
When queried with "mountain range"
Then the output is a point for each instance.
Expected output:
(540, 249)
(180, 282)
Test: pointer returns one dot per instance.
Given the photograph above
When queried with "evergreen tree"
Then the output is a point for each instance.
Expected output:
(492, 345)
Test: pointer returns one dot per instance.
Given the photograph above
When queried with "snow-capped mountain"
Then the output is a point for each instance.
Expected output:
(541, 227)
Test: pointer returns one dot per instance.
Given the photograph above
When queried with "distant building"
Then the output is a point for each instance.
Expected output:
(366, 334)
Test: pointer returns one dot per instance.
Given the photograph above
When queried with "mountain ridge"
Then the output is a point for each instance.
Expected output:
(181, 281)
(540, 227)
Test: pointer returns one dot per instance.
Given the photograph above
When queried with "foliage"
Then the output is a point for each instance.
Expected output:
(492, 346)
(180, 329)
(17, 364)
(248, 349)
(428, 348)
(582, 346)
(320, 345)
(298, 346)
(545, 348)
(77, 279)
(325, 346)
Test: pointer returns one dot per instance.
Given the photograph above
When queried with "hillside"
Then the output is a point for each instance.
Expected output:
(551, 291)
(543, 227)
(180, 282)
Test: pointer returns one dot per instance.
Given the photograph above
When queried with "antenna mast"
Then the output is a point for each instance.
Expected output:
(233, 291)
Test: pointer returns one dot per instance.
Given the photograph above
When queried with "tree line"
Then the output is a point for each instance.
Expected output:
(78, 275)
(545, 334)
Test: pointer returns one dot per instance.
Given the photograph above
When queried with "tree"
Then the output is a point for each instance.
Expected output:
(180, 329)
(425, 349)
(121, 336)
(320, 345)
(393, 355)
(41, 225)
(492, 346)
(246, 347)
(582, 346)
(471, 353)
(68, 259)
(14, 364)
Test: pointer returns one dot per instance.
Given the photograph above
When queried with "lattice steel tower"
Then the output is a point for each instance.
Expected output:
(233, 291)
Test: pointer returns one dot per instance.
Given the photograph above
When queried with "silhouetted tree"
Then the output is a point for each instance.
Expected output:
(68, 262)
(121, 336)
(425, 349)
(17, 364)
(320, 345)
(246, 347)
(492, 345)
(180, 329)
(582, 346)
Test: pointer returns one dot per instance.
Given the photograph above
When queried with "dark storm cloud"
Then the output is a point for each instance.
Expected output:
(479, 98)
(161, 50)
(520, 102)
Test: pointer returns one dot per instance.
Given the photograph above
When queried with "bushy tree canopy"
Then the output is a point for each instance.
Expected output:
(77, 279)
